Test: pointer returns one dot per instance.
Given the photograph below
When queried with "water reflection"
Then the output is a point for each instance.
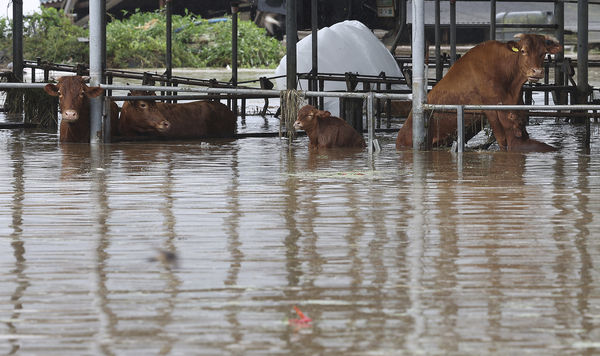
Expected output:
(411, 252)
(18, 246)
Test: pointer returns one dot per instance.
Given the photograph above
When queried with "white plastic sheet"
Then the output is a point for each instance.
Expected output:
(347, 46)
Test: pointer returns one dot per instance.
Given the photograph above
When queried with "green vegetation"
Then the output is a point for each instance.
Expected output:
(139, 41)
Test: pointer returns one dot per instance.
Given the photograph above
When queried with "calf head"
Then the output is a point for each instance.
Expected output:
(531, 50)
(73, 95)
(142, 116)
(307, 117)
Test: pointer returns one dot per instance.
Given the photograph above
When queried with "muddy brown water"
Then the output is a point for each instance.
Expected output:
(407, 253)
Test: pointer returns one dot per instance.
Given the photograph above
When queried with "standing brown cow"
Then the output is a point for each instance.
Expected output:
(490, 73)
(198, 119)
(74, 101)
(326, 131)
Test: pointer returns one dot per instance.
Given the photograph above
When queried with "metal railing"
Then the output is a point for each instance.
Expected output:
(460, 110)
(373, 145)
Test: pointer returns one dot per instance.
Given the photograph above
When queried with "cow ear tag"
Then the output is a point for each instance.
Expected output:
(515, 49)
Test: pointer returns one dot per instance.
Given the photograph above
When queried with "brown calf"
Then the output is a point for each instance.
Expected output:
(198, 119)
(74, 101)
(490, 73)
(326, 131)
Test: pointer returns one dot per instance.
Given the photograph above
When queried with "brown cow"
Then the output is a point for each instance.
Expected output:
(490, 73)
(74, 101)
(198, 119)
(326, 131)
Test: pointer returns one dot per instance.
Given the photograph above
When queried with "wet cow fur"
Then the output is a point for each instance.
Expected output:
(326, 131)
(74, 102)
(490, 73)
(198, 119)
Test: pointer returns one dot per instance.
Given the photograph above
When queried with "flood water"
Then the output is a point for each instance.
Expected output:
(408, 253)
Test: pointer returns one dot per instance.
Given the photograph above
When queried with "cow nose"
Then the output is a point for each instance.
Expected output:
(537, 72)
(70, 115)
(297, 125)
(163, 125)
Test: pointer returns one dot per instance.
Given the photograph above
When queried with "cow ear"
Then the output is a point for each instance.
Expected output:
(552, 45)
(323, 114)
(513, 46)
(51, 89)
(93, 92)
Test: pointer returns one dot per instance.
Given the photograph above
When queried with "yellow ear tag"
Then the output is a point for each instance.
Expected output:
(515, 49)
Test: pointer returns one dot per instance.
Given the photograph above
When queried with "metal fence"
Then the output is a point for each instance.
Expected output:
(373, 145)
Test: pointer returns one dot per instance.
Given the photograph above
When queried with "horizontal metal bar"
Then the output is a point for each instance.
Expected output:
(511, 107)
(525, 25)
(183, 97)
(22, 85)
(262, 92)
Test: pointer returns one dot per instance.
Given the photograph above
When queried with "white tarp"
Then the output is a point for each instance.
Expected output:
(347, 46)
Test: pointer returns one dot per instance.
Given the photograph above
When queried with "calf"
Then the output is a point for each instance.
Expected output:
(74, 101)
(198, 119)
(326, 131)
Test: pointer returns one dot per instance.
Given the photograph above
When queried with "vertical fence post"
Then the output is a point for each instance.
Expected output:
(96, 43)
(492, 19)
(291, 34)
(460, 124)
(234, 52)
(452, 32)
(439, 65)
(418, 82)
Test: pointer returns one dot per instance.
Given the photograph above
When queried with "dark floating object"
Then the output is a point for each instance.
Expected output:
(163, 256)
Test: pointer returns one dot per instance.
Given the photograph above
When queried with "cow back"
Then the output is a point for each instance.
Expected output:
(199, 119)
(331, 132)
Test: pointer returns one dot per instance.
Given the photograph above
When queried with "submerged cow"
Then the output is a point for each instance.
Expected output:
(490, 73)
(74, 101)
(198, 119)
(326, 131)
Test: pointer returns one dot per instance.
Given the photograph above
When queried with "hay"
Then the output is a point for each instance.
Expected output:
(290, 101)
(38, 107)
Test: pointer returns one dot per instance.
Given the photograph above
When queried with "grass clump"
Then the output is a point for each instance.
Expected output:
(139, 41)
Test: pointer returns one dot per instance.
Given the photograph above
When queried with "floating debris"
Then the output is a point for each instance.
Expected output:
(165, 257)
(303, 321)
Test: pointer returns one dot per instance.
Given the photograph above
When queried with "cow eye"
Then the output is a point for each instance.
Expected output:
(143, 105)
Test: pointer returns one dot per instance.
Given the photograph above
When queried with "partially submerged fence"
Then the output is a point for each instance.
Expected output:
(369, 97)
(460, 112)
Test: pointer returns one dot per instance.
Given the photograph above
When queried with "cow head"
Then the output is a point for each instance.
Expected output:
(73, 96)
(307, 117)
(531, 50)
(142, 116)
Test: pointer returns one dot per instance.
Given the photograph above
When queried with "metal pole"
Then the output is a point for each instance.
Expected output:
(291, 38)
(418, 82)
(492, 19)
(439, 66)
(169, 55)
(313, 85)
(370, 121)
(460, 124)
(582, 51)
(96, 18)
(559, 79)
(18, 39)
(452, 32)
(234, 50)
